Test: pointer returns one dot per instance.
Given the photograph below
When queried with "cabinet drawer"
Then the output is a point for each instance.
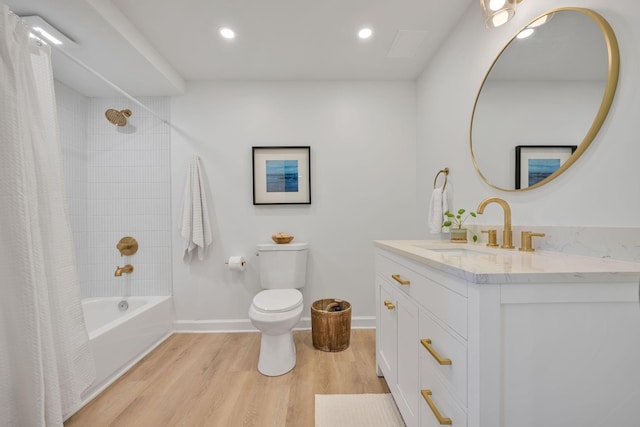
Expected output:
(443, 402)
(446, 304)
(445, 346)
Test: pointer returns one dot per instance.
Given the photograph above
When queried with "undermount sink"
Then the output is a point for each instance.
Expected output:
(458, 252)
(451, 251)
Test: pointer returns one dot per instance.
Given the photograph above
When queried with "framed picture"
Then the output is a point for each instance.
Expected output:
(536, 162)
(281, 176)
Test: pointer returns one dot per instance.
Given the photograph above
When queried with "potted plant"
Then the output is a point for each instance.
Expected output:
(455, 223)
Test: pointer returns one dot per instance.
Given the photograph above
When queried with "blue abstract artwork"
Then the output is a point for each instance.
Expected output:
(282, 176)
(539, 169)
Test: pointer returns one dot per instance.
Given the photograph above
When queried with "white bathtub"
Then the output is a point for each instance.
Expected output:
(121, 339)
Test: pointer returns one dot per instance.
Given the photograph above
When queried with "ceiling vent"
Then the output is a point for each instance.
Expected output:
(406, 43)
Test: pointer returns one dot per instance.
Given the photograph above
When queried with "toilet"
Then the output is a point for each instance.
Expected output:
(276, 310)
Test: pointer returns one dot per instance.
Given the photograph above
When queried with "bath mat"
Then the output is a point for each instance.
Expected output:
(357, 410)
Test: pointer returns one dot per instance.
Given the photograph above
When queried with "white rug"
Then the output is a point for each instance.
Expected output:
(357, 410)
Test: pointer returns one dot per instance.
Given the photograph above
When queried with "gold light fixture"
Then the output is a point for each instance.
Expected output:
(498, 12)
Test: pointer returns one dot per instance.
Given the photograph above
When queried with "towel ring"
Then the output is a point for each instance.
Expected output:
(445, 171)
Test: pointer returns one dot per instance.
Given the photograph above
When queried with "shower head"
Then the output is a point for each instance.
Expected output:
(118, 118)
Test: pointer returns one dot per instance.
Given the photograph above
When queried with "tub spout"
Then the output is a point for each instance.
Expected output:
(128, 269)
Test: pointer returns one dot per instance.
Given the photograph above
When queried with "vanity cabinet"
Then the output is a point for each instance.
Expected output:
(398, 329)
(517, 350)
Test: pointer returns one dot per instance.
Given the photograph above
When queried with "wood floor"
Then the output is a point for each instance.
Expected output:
(212, 380)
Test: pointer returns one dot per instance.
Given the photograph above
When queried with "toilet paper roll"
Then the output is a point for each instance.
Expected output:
(236, 263)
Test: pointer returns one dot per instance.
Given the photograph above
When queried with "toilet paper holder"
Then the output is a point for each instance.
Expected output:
(236, 263)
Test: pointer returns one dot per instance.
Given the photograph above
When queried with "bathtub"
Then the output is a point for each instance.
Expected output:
(119, 339)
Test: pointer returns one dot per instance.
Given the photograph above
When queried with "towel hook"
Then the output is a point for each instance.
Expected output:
(445, 171)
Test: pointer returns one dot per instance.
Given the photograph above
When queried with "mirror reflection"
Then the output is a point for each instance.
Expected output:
(544, 99)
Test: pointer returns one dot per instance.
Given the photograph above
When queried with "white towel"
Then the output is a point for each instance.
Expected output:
(196, 229)
(438, 205)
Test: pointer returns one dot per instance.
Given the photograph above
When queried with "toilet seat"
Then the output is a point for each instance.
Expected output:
(277, 300)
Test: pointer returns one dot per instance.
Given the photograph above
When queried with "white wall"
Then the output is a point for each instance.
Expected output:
(72, 123)
(599, 190)
(363, 181)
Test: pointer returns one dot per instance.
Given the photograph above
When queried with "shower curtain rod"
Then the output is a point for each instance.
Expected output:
(110, 84)
(98, 75)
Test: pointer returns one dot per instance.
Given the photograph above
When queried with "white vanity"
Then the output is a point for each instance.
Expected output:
(485, 337)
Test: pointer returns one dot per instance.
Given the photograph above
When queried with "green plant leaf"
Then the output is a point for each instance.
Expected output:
(446, 224)
(461, 211)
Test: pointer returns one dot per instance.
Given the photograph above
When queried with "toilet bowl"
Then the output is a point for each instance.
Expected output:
(275, 312)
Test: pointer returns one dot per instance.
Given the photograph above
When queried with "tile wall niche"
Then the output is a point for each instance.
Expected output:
(118, 182)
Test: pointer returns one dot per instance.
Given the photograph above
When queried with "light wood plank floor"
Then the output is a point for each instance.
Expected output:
(212, 380)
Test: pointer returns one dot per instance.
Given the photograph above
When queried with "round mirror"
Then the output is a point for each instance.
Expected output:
(544, 99)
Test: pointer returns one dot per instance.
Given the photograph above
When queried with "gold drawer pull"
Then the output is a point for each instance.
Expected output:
(397, 278)
(389, 305)
(442, 420)
(426, 343)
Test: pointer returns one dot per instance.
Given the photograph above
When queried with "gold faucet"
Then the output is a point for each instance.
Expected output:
(126, 269)
(507, 234)
(527, 246)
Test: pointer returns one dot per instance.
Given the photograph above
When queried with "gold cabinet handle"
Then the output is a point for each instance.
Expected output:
(426, 343)
(398, 279)
(426, 394)
(389, 305)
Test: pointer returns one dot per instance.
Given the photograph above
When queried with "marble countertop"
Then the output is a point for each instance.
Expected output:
(478, 263)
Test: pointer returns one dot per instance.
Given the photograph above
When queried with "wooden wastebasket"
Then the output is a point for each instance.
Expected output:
(331, 324)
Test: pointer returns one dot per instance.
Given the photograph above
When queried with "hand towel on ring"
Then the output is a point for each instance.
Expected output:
(438, 205)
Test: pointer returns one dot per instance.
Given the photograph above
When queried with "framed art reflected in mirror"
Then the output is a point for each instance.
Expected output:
(281, 175)
(557, 84)
(534, 163)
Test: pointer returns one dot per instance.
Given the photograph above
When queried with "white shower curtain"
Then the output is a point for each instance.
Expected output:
(45, 359)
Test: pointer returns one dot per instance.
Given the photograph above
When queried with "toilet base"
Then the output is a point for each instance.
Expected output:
(277, 354)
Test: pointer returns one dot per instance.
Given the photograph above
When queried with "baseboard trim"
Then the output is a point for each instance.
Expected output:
(244, 325)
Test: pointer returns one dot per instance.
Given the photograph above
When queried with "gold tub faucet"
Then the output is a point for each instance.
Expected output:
(128, 269)
(507, 234)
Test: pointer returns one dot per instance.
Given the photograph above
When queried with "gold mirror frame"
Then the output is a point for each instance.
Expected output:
(607, 99)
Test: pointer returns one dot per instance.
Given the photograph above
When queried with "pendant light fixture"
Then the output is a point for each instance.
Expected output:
(498, 12)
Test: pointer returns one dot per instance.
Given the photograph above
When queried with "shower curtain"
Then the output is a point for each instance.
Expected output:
(45, 358)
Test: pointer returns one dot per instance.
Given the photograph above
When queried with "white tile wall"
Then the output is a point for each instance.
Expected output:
(72, 121)
(118, 183)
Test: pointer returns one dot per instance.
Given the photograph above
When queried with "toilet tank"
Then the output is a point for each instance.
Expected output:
(282, 266)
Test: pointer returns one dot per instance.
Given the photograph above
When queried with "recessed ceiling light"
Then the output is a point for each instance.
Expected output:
(227, 33)
(365, 33)
(541, 21)
(525, 33)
